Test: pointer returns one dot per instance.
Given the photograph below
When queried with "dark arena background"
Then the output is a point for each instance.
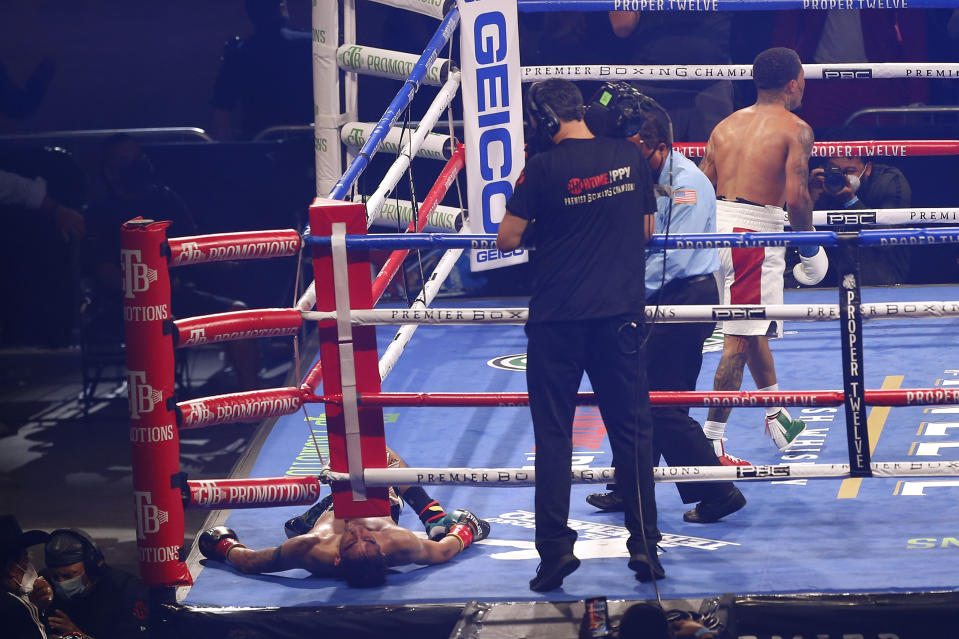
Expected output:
(236, 139)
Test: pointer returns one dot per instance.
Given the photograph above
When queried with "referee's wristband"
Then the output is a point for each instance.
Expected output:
(705, 631)
(854, 199)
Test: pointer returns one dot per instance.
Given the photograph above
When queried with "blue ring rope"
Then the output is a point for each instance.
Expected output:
(876, 237)
(402, 100)
(711, 6)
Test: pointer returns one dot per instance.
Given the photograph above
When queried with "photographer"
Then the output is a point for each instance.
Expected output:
(91, 599)
(856, 183)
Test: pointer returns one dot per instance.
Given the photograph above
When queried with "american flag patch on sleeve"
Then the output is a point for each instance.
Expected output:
(684, 196)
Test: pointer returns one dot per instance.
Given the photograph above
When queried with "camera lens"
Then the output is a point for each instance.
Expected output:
(834, 180)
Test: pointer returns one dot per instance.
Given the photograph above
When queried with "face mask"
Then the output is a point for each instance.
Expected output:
(71, 587)
(855, 181)
(28, 578)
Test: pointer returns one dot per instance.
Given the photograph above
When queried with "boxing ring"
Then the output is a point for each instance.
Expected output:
(861, 510)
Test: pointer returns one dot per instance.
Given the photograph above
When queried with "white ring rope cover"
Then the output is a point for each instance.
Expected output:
(664, 313)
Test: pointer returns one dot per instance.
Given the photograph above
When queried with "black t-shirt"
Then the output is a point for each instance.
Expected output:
(588, 199)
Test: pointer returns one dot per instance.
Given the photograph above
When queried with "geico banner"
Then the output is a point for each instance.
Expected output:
(493, 118)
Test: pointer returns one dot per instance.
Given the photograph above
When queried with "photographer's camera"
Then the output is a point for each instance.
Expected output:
(834, 180)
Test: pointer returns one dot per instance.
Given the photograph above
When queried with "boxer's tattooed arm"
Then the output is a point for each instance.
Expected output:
(798, 201)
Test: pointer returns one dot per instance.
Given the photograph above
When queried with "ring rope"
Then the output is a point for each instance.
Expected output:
(743, 399)
(402, 101)
(430, 289)
(209, 494)
(694, 72)
(868, 237)
(688, 6)
(663, 313)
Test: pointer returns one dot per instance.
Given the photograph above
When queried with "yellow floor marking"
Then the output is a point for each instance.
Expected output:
(849, 489)
(921, 426)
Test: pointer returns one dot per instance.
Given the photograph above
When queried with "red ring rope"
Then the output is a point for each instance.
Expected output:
(855, 148)
(897, 397)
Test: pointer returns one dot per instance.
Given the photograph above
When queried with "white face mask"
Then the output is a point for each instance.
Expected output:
(855, 181)
(28, 578)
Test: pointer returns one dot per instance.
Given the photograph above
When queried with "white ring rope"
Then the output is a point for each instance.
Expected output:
(446, 94)
(510, 477)
(866, 217)
(398, 169)
(424, 299)
(419, 315)
(681, 72)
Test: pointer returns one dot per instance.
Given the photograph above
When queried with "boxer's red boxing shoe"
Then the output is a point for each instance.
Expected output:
(725, 459)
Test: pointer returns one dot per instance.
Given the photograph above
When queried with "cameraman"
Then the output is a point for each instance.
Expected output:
(590, 203)
(91, 599)
(855, 183)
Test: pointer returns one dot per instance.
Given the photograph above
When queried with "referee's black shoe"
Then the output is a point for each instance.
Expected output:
(706, 512)
(607, 502)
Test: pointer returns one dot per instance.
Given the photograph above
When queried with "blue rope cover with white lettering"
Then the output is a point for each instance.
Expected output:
(402, 100)
(876, 237)
(703, 6)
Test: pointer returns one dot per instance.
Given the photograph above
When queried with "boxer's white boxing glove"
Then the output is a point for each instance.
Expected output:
(812, 266)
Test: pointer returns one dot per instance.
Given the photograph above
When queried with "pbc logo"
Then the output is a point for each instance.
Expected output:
(142, 397)
(846, 74)
(851, 218)
(149, 517)
(351, 57)
(762, 471)
(197, 336)
(726, 313)
(137, 276)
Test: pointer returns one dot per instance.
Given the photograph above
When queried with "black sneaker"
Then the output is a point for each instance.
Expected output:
(607, 502)
(305, 522)
(646, 567)
(706, 512)
(551, 573)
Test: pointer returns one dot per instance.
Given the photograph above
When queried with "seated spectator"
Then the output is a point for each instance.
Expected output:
(865, 185)
(134, 189)
(42, 194)
(32, 194)
(90, 597)
(24, 594)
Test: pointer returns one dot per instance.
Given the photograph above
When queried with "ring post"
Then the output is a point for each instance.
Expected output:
(154, 438)
(850, 322)
(349, 358)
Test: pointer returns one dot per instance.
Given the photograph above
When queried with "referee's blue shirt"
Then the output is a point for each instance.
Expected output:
(693, 211)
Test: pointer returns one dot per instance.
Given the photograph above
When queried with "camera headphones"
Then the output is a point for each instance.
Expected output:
(540, 112)
(91, 557)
